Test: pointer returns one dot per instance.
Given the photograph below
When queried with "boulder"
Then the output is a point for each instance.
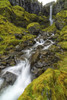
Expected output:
(34, 57)
(34, 28)
(61, 19)
(9, 77)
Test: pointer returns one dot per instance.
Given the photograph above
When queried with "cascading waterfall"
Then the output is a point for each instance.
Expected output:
(50, 18)
(24, 78)
(22, 70)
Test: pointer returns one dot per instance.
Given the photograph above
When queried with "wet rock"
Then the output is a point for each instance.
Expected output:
(19, 47)
(47, 43)
(29, 43)
(9, 77)
(34, 57)
(37, 72)
(34, 28)
(2, 67)
(40, 47)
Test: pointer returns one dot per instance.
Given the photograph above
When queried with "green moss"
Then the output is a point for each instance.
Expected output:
(61, 19)
(50, 29)
(52, 84)
(35, 25)
(48, 85)
(18, 10)
(62, 63)
(63, 44)
(7, 32)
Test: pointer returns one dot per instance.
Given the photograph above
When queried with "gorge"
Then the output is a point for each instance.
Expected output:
(33, 50)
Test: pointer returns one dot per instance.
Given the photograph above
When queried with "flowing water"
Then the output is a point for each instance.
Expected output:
(22, 70)
(50, 19)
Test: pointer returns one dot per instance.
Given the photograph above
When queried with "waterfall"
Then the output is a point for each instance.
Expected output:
(22, 70)
(24, 78)
(50, 18)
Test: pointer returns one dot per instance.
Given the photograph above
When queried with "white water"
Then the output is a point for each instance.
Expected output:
(24, 78)
(50, 19)
(1, 81)
(22, 70)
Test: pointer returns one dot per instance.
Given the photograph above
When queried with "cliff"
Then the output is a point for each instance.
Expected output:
(32, 6)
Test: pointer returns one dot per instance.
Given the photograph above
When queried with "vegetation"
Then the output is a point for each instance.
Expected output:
(14, 20)
(52, 83)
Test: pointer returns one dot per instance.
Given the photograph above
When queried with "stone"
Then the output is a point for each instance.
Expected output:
(9, 77)
(34, 57)
(34, 28)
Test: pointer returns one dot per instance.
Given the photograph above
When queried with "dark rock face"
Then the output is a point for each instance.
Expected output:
(29, 5)
(60, 4)
(46, 9)
(9, 77)
(57, 7)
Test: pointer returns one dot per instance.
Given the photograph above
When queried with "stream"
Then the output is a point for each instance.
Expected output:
(22, 69)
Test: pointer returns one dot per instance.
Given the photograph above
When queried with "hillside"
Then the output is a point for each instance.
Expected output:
(45, 47)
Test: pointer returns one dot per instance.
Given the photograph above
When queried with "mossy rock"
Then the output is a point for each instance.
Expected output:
(61, 19)
(50, 29)
(50, 85)
(34, 28)
(63, 34)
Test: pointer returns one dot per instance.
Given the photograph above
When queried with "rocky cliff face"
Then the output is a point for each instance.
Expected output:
(57, 7)
(60, 4)
(32, 6)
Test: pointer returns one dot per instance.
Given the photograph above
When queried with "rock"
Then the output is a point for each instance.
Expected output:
(18, 36)
(29, 43)
(59, 5)
(47, 43)
(9, 77)
(2, 67)
(59, 24)
(37, 72)
(29, 6)
(60, 20)
(19, 47)
(46, 8)
(34, 28)
(34, 57)
(40, 47)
